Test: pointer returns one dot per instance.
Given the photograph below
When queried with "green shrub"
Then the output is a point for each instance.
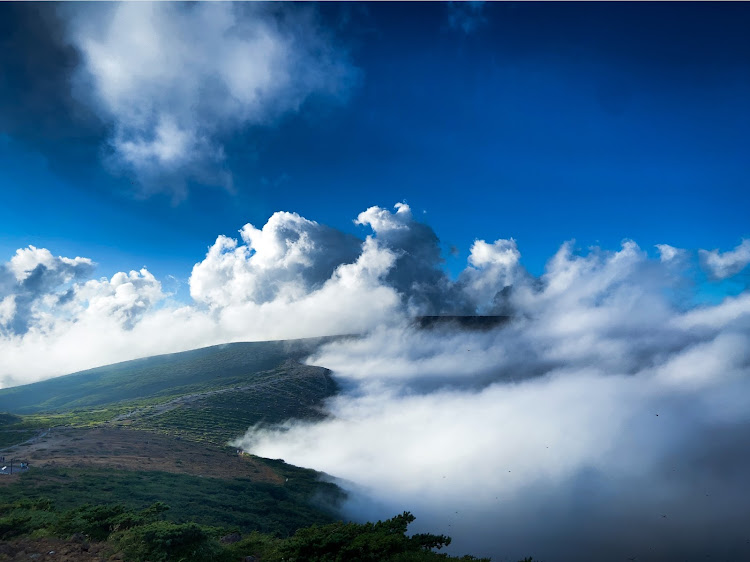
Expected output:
(364, 542)
(99, 521)
(263, 546)
(163, 541)
(94, 521)
(23, 522)
(35, 504)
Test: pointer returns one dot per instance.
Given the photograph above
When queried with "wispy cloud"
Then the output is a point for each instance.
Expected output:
(466, 16)
(669, 253)
(723, 265)
(173, 80)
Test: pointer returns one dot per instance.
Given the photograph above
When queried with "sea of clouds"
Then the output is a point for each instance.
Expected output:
(609, 418)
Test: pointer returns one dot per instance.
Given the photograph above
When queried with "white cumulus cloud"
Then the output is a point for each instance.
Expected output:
(27, 261)
(289, 255)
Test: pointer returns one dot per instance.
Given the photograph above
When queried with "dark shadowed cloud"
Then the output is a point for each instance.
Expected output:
(34, 283)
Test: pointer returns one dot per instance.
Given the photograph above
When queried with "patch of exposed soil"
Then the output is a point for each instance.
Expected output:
(48, 550)
(8, 478)
(129, 449)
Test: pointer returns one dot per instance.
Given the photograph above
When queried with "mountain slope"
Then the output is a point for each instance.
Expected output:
(155, 377)
(156, 429)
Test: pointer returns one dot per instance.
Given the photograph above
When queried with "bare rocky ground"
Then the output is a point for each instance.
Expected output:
(130, 449)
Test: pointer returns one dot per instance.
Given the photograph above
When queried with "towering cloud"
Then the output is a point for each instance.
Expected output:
(492, 271)
(417, 274)
(174, 79)
(289, 255)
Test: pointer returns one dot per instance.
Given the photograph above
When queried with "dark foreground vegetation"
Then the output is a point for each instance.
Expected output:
(147, 535)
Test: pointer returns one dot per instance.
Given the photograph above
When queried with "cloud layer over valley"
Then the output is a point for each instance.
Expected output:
(605, 420)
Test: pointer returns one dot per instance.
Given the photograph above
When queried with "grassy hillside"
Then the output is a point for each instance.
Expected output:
(214, 408)
(288, 391)
(154, 377)
(232, 503)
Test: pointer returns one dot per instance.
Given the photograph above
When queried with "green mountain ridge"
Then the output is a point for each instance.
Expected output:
(157, 376)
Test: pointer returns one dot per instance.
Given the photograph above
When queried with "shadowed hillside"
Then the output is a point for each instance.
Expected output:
(460, 322)
(153, 377)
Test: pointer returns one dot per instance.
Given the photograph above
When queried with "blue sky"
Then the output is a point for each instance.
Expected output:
(541, 122)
